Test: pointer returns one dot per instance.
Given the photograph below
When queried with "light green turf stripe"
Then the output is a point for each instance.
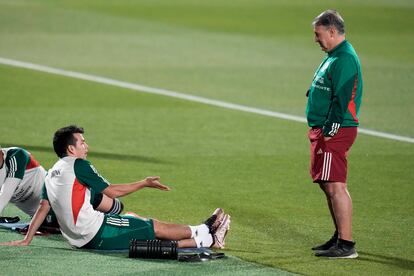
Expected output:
(188, 97)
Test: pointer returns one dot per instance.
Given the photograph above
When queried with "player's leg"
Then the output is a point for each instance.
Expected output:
(329, 168)
(210, 233)
(317, 149)
(342, 208)
(171, 231)
(334, 239)
(335, 169)
(186, 235)
(117, 232)
(329, 203)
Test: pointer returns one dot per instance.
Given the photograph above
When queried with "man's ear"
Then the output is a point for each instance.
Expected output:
(70, 149)
(332, 31)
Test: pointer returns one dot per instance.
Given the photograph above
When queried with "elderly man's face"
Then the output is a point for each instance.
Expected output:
(325, 37)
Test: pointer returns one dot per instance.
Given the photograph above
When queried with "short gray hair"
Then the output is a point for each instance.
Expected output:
(330, 18)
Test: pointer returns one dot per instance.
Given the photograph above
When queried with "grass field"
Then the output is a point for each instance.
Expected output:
(255, 53)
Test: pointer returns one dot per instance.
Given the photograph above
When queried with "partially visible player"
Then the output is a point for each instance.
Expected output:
(21, 181)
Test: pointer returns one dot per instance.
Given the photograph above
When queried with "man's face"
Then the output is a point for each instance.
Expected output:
(325, 37)
(80, 149)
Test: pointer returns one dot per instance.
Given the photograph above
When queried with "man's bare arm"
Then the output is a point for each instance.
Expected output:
(119, 190)
(37, 220)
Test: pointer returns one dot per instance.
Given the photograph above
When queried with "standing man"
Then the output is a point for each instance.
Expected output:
(69, 186)
(332, 112)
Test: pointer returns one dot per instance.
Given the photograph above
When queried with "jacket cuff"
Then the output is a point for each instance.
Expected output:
(330, 129)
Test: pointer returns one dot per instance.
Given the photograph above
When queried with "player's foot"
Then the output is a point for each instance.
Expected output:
(340, 251)
(333, 241)
(220, 235)
(214, 221)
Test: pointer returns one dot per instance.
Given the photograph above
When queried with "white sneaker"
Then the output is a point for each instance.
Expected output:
(220, 235)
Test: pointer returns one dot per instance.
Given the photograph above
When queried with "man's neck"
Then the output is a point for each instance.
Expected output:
(73, 156)
(338, 41)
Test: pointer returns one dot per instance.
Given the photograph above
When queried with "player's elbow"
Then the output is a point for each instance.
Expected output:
(111, 191)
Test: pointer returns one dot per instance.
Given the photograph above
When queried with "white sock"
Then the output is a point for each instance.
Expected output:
(199, 230)
(205, 240)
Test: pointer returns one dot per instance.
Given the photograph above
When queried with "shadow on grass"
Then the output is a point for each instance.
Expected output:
(387, 260)
(244, 251)
(110, 156)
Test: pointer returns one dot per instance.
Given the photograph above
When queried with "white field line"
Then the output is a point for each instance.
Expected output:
(169, 93)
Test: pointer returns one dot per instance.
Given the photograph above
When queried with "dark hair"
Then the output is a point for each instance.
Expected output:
(330, 18)
(64, 137)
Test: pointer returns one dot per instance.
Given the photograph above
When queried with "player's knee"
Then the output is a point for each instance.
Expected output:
(334, 189)
(158, 228)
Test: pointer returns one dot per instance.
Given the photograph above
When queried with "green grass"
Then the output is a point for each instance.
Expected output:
(53, 256)
(255, 167)
(257, 53)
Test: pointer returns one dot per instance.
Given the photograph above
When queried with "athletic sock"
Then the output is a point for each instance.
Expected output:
(199, 230)
(205, 240)
(117, 207)
(346, 243)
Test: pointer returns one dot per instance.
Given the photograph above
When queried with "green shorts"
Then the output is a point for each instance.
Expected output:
(117, 231)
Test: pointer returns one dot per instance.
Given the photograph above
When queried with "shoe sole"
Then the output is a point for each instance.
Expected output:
(226, 222)
(219, 213)
(352, 256)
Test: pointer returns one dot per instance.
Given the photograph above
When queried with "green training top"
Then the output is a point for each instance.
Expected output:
(335, 94)
(16, 162)
(88, 176)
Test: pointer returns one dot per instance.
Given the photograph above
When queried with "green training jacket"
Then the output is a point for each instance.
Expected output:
(335, 94)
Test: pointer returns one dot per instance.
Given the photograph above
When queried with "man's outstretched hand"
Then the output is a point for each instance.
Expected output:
(154, 182)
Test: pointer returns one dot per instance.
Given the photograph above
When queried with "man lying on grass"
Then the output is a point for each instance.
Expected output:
(69, 186)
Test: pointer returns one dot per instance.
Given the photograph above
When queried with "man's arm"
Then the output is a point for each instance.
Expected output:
(7, 191)
(344, 80)
(119, 190)
(37, 220)
(87, 174)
